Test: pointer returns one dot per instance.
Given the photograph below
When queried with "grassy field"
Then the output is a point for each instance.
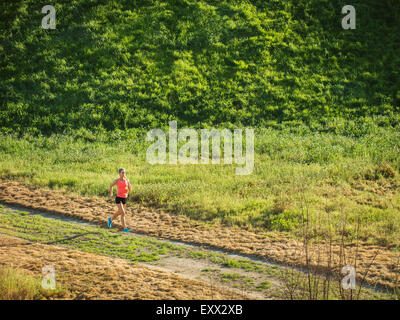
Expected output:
(329, 174)
(77, 101)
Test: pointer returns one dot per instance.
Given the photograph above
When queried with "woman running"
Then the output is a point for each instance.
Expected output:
(123, 185)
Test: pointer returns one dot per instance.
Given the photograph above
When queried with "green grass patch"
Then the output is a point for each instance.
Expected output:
(264, 285)
(86, 238)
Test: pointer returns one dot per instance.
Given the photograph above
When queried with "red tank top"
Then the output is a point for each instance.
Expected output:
(122, 188)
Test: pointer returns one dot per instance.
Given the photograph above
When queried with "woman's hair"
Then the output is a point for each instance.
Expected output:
(120, 169)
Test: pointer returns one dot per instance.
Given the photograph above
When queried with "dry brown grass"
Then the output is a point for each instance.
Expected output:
(90, 276)
(277, 247)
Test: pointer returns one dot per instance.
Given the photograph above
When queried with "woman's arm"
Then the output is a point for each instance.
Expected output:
(129, 185)
(111, 187)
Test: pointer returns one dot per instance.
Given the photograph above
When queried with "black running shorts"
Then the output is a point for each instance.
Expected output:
(119, 200)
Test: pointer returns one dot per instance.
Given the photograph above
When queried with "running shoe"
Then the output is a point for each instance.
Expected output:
(109, 222)
(127, 229)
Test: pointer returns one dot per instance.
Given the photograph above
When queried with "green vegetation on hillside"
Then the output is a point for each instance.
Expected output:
(138, 64)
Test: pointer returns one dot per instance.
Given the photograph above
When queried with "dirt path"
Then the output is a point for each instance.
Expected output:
(377, 264)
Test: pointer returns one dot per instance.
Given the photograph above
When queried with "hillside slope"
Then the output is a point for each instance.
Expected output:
(138, 64)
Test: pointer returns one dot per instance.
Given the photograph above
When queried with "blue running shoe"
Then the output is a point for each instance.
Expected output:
(109, 222)
(127, 229)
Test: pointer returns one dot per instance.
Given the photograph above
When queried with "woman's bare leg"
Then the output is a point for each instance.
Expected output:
(121, 208)
(125, 213)
(115, 215)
